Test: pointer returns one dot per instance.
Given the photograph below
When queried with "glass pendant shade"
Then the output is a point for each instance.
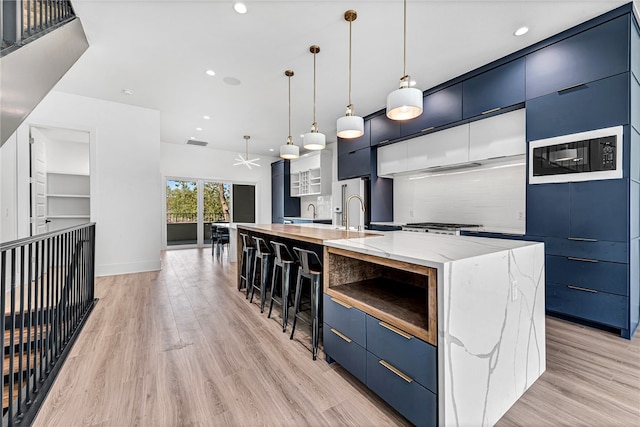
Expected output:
(314, 141)
(289, 151)
(404, 103)
(350, 127)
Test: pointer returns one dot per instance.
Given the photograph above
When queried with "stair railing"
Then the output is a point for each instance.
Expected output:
(48, 293)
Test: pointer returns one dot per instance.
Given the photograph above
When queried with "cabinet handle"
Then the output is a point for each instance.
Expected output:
(491, 111)
(385, 141)
(344, 337)
(582, 259)
(581, 239)
(396, 371)
(342, 303)
(396, 330)
(352, 152)
(578, 288)
(424, 130)
(571, 87)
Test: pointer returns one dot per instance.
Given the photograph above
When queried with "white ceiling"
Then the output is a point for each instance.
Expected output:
(160, 49)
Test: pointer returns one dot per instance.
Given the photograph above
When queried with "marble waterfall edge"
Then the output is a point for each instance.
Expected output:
(491, 333)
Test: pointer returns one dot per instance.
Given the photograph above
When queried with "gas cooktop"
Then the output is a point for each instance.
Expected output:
(440, 225)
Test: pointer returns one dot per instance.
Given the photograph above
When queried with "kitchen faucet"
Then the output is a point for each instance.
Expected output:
(311, 205)
(347, 208)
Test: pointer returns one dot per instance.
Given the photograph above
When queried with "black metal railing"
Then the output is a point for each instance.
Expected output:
(23, 20)
(48, 283)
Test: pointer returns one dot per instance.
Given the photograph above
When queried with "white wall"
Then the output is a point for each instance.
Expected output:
(8, 190)
(491, 195)
(190, 161)
(125, 178)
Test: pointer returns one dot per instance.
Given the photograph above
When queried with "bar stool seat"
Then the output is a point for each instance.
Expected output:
(260, 276)
(285, 261)
(246, 264)
(311, 270)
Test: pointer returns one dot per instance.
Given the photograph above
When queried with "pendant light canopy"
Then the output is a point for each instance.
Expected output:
(246, 160)
(350, 125)
(289, 150)
(405, 102)
(314, 140)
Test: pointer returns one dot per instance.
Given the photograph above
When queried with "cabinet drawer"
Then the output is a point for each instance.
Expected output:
(354, 164)
(593, 54)
(600, 249)
(600, 104)
(348, 320)
(412, 400)
(585, 273)
(345, 351)
(411, 355)
(600, 307)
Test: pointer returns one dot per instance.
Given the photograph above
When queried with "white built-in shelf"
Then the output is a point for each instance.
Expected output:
(80, 196)
(68, 216)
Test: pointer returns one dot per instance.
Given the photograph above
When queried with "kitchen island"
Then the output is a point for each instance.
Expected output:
(448, 329)
(481, 343)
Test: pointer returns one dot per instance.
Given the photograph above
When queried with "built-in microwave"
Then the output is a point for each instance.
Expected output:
(583, 156)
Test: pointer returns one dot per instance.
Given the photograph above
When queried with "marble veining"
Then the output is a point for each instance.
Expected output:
(491, 329)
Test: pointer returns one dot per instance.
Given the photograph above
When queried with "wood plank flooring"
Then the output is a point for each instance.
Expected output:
(183, 347)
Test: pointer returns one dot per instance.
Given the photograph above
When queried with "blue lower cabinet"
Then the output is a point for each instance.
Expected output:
(601, 249)
(345, 351)
(412, 400)
(600, 307)
(414, 357)
(347, 319)
(597, 275)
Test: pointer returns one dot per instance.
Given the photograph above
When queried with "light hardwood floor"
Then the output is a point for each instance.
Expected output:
(183, 347)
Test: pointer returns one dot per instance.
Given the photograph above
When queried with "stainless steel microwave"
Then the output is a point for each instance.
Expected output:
(583, 156)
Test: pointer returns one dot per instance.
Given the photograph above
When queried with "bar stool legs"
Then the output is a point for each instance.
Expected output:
(284, 261)
(246, 264)
(262, 260)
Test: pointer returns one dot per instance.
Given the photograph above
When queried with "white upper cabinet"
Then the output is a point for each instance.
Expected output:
(311, 174)
(444, 148)
(392, 158)
(498, 136)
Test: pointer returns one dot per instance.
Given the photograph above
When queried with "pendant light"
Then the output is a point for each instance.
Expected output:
(289, 150)
(405, 102)
(314, 140)
(350, 126)
(246, 160)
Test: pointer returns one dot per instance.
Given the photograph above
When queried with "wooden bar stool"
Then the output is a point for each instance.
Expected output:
(262, 259)
(246, 263)
(310, 269)
(285, 261)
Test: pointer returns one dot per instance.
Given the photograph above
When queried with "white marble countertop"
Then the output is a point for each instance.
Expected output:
(431, 250)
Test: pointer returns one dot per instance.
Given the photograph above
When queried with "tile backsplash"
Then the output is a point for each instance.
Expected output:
(490, 195)
(322, 204)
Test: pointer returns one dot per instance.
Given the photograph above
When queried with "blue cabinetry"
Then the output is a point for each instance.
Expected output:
(354, 144)
(492, 90)
(600, 210)
(591, 55)
(549, 210)
(600, 104)
(282, 204)
(383, 129)
(354, 164)
(439, 109)
(397, 366)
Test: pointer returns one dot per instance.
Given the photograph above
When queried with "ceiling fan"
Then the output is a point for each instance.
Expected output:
(246, 160)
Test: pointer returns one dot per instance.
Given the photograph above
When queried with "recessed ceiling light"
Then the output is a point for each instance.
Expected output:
(271, 149)
(302, 135)
(192, 137)
(240, 7)
(206, 117)
(210, 73)
(521, 31)
(127, 91)
(198, 128)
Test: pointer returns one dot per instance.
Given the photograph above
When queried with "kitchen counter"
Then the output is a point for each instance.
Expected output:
(488, 310)
(310, 233)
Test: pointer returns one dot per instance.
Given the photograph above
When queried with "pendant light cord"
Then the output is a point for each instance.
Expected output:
(289, 139)
(350, 22)
(404, 69)
(314, 93)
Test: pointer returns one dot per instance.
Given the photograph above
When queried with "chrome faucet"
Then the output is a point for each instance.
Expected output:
(311, 205)
(347, 208)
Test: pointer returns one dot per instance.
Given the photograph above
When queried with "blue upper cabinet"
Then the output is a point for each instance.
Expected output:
(347, 145)
(595, 105)
(492, 90)
(440, 108)
(354, 164)
(591, 55)
(383, 129)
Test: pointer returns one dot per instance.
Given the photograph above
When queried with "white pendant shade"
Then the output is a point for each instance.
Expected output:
(404, 103)
(289, 151)
(314, 141)
(350, 127)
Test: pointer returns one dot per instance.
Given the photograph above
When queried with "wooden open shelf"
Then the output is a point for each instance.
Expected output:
(403, 295)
